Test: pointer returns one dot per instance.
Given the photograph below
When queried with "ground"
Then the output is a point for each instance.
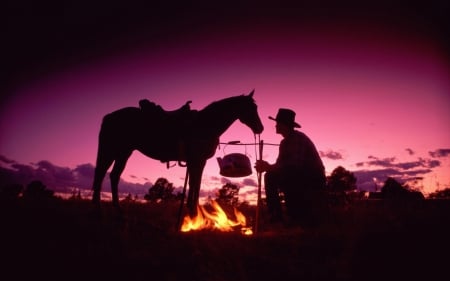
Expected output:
(57, 239)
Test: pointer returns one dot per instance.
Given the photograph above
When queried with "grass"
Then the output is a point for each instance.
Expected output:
(58, 239)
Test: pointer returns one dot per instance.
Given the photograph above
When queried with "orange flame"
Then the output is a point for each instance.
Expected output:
(216, 219)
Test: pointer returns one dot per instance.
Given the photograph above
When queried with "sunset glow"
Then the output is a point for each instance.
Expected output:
(373, 99)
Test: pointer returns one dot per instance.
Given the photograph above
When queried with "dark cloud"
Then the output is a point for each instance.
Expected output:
(23, 171)
(379, 169)
(12, 176)
(249, 182)
(6, 160)
(84, 174)
(371, 180)
(442, 152)
(333, 155)
(63, 179)
(56, 178)
(207, 193)
(248, 194)
(235, 181)
(134, 188)
(408, 165)
(85, 170)
(390, 163)
(224, 180)
(216, 178)
(410, 151)
(431, 163)
(385, 162)
(425, 163)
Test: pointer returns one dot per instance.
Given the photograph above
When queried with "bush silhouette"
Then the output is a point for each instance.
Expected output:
(11, 191)
(37, 190)
(441, 194)
(161, 190)
(339, 183)
(228, 194)
(393, 190)
(341, 180)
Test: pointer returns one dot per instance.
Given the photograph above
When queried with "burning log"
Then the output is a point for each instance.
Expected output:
(216, 219)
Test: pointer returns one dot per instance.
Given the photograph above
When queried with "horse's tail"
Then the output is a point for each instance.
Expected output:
(116, 126)
(101, 143)
(104, 157)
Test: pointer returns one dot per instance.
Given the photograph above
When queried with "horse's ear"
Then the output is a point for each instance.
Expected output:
(251, 93)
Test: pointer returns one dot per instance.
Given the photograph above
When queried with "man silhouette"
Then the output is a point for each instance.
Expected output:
(298, 172)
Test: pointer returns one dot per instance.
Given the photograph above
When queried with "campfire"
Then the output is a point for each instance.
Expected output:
(216, 219)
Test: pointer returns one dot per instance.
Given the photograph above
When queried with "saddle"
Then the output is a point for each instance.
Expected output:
(175, 123)
(150, 108)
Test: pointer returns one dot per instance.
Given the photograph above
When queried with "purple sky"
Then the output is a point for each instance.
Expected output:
(369, 82)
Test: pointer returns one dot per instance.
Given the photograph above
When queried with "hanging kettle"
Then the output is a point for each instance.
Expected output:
(235, 165)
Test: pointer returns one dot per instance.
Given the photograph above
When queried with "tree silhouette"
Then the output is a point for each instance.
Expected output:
(228, 194)
(11, 191)
(161, 190)
(37, 190)
(441, 194)
(76, 195)
(129, 198)
(393, 190)
(341, 180)
(339, 183)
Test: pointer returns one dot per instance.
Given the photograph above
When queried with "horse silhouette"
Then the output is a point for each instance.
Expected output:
(182, 135)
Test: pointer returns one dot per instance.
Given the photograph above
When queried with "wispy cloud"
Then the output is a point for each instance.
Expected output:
(438, 153)
(333, 155)
(246, 181)
(390, 162)
(374, 161)
(6, 160)
(249, 182)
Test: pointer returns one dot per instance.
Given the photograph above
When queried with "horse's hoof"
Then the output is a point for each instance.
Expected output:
(117, 208)
(193, 213)
(116, 205)
(96, 212)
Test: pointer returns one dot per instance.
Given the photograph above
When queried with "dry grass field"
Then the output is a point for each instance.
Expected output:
(55, 239)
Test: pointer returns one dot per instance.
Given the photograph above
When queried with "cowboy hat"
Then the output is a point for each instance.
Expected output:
(287, 117)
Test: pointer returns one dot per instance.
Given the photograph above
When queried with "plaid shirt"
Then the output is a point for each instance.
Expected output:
(298, 152)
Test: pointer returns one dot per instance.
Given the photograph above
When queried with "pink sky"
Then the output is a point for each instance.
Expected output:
(370, 99)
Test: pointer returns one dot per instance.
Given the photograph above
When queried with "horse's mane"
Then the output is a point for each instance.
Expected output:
(226, 103)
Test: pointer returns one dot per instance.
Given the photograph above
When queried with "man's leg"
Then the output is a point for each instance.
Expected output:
(271, 183)
(296, 205)
(306, 203)
(298, 202)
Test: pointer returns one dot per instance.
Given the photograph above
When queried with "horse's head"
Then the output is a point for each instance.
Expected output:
(248, 114)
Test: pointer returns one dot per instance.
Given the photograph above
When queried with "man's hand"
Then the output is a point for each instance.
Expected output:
(261, 166)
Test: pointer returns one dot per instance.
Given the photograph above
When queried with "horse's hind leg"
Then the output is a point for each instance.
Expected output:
(101, 168)
(195, 179)
(119, 166)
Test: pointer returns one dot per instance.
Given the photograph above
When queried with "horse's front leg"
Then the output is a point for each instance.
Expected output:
(119, 166)
(195, 180)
